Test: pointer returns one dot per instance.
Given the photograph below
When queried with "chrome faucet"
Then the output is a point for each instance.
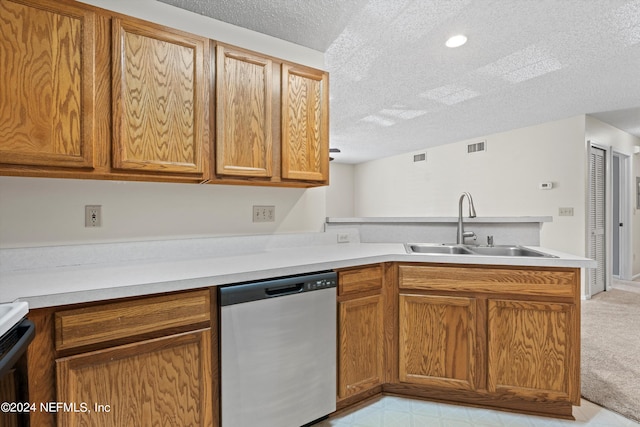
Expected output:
(472, 214)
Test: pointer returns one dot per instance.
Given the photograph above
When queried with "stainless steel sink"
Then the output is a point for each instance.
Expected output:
(434, 248)
(450, 249)
(509, 251)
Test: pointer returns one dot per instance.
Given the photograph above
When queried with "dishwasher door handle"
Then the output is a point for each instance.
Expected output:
(284, 290)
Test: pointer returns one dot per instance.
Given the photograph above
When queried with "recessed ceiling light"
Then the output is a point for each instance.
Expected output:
(456, 41)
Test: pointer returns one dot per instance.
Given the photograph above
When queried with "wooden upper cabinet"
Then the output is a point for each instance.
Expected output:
(160, 98)
(305, 123)
(244, 144)
(46, 84)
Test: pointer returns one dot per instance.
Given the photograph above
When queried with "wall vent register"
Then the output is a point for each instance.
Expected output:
(477, 147)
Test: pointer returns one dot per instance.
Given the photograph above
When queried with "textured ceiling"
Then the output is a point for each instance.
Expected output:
(396, 88)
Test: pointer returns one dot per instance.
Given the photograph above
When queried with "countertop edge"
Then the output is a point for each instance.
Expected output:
(321, 258)
(430, 220)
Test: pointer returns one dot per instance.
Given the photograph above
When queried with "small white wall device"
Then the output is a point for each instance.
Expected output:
(545, 186)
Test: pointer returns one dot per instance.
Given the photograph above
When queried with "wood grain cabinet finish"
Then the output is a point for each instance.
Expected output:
(160, 99)
(143, 361)
(360, 331)
(305, 124)
(360, 280)
(8, 393)
(532, 350)
(244, 145)
(360, 358)
(47, 91)
(110, 322)
(437, 341)
(165, 381)
(498, 336)
(92, 94)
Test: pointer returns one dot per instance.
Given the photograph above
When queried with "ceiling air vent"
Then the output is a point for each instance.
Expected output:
(419, 157)
(477, 147)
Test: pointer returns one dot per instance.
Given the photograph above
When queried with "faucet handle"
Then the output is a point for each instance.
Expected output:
(469, 234)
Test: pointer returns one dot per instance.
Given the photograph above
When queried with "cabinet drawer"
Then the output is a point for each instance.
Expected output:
(360, 280)
(107, 322)
(560, 282)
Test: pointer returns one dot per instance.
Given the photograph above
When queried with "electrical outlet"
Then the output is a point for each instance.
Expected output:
(264, 213)
(93, 216)
(565, 211)
(343, 238)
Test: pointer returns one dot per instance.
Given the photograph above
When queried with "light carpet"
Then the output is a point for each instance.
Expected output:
(610, 358)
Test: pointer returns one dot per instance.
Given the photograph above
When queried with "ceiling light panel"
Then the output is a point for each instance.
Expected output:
(450, 94)
(523, 65)
(378, 120)
(402, 113)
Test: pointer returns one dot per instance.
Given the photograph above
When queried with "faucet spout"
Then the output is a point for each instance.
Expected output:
(461, 234)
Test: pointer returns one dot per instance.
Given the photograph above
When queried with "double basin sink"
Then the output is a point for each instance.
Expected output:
(452, 249)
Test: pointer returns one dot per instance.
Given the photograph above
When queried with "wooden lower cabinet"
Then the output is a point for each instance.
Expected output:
(165, 381)
(532, 350)
(360, 333)
(437, 338)
(360, 345)
(495, 336)
(135, 362)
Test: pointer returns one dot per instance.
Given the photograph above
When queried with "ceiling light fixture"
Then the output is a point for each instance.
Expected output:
(456, 41)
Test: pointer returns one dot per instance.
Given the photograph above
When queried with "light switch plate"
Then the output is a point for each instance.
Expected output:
(565, 211)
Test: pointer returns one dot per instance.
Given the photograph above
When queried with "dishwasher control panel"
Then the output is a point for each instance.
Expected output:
(278, 287)
(320, 284)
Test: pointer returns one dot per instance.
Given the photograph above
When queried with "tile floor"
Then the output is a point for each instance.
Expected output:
(391, 411)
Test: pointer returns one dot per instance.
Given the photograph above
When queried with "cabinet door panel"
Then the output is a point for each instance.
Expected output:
(243, 131)
(532, 350)
(160, 91)
(360, 359)
(437, 341)
(305, 124)
(46, 84)
(166, 381)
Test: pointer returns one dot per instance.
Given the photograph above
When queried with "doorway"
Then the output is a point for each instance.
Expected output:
(621, 221)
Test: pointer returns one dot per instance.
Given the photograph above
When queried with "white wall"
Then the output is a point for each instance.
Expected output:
(43, 211)
(624, 143)
(340, 197)
(503, 180)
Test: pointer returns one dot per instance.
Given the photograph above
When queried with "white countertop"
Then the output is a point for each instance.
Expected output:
(48, 287)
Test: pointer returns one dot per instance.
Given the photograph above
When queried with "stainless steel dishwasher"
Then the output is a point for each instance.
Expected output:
(278, 351)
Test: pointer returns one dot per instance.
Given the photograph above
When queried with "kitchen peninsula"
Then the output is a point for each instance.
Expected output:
(154, 297)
